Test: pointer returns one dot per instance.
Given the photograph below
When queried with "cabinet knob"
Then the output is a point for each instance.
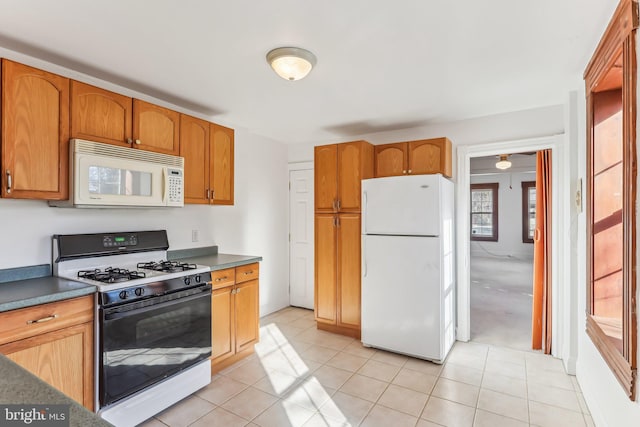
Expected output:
(9, 181)
(404, 171)
(138, 142)
(409, 170)
(129, 141)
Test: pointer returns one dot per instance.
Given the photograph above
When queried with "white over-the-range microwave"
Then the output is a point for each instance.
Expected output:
(104, 175)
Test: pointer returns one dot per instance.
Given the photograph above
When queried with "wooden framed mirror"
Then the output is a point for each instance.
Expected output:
(611, 80)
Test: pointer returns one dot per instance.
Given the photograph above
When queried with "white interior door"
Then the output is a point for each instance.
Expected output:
(301, 238)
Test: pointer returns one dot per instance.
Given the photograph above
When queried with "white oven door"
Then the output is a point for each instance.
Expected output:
(117, 182)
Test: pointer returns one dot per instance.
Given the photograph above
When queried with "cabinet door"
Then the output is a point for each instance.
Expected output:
(35, 133)
(390, 160)
(222, 324)
(350, 174)
(194, 147)
(62, 358)
(100, 115)
(221, 176)
(156, 128)
(349, 270)
(247, 308)
(326, 177)
(430, 156)
(325, 268)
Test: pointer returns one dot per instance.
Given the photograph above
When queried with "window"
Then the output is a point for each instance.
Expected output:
(484, 212)
(528, 211)
(610, 81)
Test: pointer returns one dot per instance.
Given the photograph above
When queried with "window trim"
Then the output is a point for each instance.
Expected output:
(526, 185)
(618, 39)
(493, 186)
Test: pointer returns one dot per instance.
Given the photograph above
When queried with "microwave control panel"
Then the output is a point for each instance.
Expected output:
(175, 187)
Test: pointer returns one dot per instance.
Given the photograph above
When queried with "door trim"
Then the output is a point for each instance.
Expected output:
(563, 310)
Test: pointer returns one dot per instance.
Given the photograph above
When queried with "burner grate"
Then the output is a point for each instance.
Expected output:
(110, 275)
(167, 266)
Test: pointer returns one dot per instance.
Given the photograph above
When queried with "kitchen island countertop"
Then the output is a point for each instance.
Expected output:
(18, 386)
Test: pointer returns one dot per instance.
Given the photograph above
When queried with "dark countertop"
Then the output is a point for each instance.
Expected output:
(209, 256)
(41, 290)
(18, 386)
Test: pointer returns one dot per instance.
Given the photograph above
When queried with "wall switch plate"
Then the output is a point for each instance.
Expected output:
(194, 235)
(579, 195)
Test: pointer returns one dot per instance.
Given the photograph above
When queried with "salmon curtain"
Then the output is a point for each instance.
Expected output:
(541, 308)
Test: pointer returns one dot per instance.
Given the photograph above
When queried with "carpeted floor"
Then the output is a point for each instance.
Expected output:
(501, 301)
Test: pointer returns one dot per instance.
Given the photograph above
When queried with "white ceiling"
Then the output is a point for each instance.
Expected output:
(382, 65)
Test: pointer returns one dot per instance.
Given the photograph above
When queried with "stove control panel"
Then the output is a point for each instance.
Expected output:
(153, 289)
(119, 240)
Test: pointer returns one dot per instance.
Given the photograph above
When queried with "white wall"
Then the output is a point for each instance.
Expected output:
(256, 225)
(509, 217)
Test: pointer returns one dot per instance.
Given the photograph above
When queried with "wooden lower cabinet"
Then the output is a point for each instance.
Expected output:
(60, 350)
(337, 273)
(234, 314)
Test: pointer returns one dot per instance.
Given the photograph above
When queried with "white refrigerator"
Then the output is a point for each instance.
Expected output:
(408, 283)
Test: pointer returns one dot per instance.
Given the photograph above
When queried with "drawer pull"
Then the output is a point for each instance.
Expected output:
(44, 319)
(220, 279)
(246, 273)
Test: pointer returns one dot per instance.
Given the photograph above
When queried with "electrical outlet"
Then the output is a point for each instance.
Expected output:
(194, 235)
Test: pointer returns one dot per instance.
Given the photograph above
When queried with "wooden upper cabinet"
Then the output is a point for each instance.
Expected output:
(339, 170)
(222, 162)
(355, 163)
(194, 147)
(390, 159)
(425, 156)
(35, 133)
(156, 128)
(100, 115)
(430, 156)
(326, 177)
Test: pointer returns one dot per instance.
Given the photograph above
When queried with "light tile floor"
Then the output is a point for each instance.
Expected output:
(300, 376)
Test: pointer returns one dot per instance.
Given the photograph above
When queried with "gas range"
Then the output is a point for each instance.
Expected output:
(153, 320)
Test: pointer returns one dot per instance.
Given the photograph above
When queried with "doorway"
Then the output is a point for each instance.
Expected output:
(301, 241)
(562, 308)
(502, 218)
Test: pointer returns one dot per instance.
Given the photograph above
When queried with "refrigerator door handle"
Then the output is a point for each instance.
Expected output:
(364, 259)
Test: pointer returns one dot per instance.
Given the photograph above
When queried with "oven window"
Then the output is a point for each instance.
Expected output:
(144, 346)
(120, 182)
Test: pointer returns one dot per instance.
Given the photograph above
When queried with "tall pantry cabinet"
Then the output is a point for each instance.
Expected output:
(339, 170)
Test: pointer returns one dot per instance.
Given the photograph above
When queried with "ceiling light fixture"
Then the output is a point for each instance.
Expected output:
(291, 63)
(503, 163)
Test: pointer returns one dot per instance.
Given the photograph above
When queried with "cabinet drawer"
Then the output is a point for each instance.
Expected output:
(247, 272)
(27, 322)
(222, 278)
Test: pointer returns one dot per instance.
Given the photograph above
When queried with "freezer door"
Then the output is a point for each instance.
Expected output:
(402, 205)
(401, 295)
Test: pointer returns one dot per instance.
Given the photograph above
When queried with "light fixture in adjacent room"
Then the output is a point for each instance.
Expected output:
(291, 63)
(503, 163)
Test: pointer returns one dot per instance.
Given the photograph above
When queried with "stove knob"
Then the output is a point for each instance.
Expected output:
(187, 280)
(198, 278)
(139, 292)
(123, 295)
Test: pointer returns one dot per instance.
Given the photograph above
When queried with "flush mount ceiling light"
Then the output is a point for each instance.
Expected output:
(503, 163)
(291, 63)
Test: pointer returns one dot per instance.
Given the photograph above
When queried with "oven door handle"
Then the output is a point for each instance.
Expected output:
(120, 314)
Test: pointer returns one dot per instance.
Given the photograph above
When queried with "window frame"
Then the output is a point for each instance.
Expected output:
(618, 40)
(526, 185)
(493, 186)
